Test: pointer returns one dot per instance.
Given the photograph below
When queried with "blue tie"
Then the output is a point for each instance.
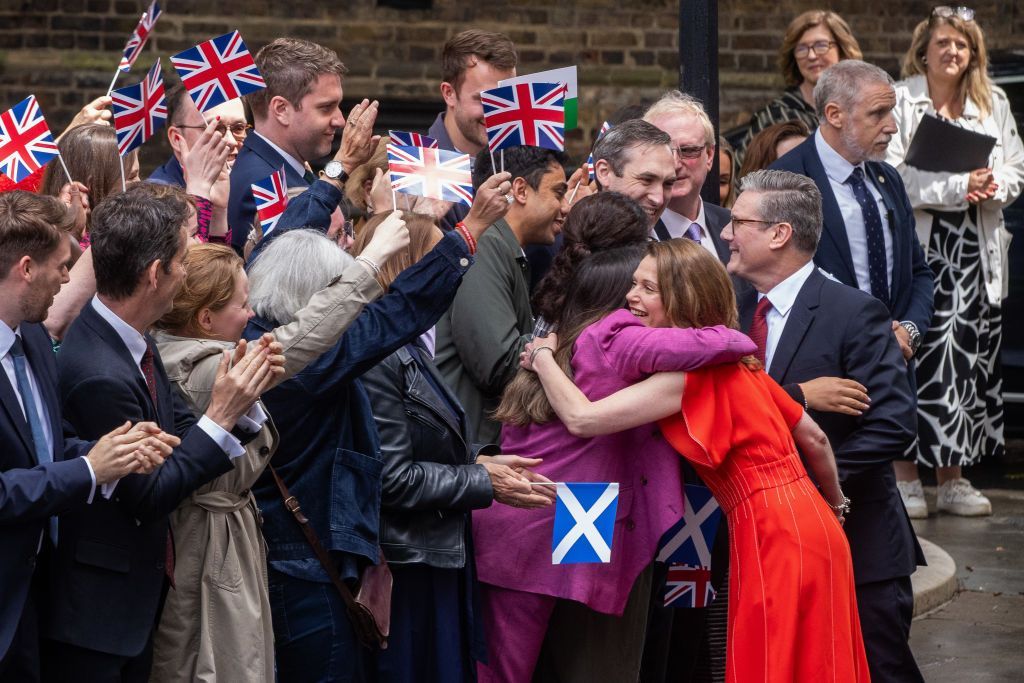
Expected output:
(693, 232)
(35, 423)
(878, 271)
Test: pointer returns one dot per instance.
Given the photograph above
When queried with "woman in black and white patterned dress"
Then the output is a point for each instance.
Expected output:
(960, 224)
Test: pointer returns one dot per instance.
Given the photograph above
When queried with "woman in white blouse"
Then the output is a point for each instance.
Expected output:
(960, 224)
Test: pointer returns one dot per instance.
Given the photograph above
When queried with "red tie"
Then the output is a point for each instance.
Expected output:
(149, 372)
(759, 327)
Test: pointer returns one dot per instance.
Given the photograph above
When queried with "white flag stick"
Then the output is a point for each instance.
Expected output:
(124, 186)
(494, 168)
(574, 190)
(117, 72)
(65, 167)
(502, 159)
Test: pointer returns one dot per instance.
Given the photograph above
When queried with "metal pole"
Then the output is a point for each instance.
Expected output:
(698, 69)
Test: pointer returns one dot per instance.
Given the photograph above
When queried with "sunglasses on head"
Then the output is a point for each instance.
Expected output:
(947, 12)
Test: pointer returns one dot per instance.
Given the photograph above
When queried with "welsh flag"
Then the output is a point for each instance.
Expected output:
(565, 75)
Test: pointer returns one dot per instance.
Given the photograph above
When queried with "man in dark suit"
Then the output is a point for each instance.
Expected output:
(115, 558)
(868, 240)
(808, 327)
(636, 159)
(296, 117)
(41, 471)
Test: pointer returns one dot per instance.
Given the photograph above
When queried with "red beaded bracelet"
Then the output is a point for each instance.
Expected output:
(466, 235)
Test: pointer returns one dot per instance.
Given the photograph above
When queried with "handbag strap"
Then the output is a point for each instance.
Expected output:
(292, 503)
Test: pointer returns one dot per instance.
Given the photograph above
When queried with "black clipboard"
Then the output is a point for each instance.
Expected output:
(943, 147)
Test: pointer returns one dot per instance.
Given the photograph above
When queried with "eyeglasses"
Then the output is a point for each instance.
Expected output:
(946, 12)
(735, 220)
(820, 47)
(688, 151)
(239, 130)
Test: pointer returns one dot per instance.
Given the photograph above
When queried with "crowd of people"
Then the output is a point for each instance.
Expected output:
(330, 452)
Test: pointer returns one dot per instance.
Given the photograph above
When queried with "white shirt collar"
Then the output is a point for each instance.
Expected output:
(837, 168)
(783, 295)
(677, 224)
(299, 167)
(135, 342)
(7, 338)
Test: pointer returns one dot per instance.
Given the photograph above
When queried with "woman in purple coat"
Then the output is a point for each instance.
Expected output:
(520, 586)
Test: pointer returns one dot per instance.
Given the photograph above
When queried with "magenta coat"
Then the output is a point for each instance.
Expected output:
(513, 546)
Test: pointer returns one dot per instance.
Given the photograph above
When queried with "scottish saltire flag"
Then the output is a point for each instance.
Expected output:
(218, 70)
(138, 40)
(400, 138)
(271, 196)
(525, 114)
(568, 76)
(139, 110)
(584, 522)
(686, 548)
(605, 127)
(434, 173)
(26, 144)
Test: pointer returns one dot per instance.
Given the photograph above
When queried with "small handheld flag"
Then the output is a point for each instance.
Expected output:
(605, 127)
(434, 173)
(218, 70)
(567, 75)
(271, 196)
(139, 110)
(584, 522)
(26, 144)
(525, 114)
(139, 37)
(686, 548)
(400, 138)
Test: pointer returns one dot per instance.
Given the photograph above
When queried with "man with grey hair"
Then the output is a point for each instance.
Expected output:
(693, 146)
(635, 158)
(869, 239)
(814, 332)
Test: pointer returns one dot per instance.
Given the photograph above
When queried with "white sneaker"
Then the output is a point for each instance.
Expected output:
(913, 498)
(958, 497)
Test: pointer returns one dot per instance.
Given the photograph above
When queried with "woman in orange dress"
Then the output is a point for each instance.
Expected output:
(792, 605)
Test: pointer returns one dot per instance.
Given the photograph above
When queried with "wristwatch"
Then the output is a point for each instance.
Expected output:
(335, 171)
(915, 336)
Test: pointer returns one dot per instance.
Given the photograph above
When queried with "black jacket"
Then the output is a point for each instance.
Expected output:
(430, 480)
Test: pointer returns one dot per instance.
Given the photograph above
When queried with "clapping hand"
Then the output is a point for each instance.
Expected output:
(981, 185)
(242, 376)
(512, 481)
(127, 450)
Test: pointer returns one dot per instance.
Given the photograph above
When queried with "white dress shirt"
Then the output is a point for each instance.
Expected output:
(299, 167)
(838, 171)
(677, 224)
(782, 296)
(6, 342)
(136, 344)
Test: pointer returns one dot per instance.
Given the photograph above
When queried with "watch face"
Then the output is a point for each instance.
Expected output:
(333, 169)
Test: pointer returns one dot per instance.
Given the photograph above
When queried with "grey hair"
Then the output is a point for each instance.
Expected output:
(844, 82)
(615, 145)
(677, 103)
(290, 270)
(789, 198)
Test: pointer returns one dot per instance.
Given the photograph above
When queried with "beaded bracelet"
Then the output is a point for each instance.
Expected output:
(468, 236)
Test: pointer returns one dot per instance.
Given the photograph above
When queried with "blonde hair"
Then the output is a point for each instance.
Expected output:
(211, 276)
(423, 235)
(354, 191)
(677, 103)
(974, 82)
(845, 42)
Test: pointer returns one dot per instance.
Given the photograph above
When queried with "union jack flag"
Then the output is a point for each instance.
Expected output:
(271, 195)
(218, 70)
(25, 140)
(688, 586)
(687, 545)
(400, 138)
(138, 40)
(605, 127)
(139, 110)
(434, 173)
(525, 114)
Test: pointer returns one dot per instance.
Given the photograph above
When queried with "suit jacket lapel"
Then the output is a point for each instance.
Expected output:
(274, 159)
(9, 399)
(112, 340)
(797, 323)
(747, 304)
(714, 227)
(835, 226)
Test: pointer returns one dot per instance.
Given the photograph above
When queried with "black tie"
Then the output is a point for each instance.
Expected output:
(309, 177)
(878, 271)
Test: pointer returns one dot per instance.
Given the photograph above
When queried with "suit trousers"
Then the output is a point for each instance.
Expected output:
(21, 663)
(886, 609)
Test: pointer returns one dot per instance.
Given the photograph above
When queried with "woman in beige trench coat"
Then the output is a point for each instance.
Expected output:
(216, 623)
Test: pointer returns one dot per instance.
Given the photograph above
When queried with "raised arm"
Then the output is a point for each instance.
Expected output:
(648, 401)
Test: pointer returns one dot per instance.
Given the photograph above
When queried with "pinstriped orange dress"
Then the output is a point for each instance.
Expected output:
(792, 605)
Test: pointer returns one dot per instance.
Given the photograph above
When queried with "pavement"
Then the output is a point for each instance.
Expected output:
(969, 604)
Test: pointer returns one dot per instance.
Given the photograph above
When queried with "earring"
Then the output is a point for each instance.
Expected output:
(924, 60)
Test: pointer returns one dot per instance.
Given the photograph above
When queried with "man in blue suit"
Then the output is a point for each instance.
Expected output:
(115, 558)
(868, 241)
(41, 473)
(809, 326)
(296, 118)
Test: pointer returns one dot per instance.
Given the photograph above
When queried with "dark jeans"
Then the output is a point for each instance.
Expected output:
(313, 637)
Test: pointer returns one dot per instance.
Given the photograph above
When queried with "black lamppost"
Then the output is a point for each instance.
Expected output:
(698, 68)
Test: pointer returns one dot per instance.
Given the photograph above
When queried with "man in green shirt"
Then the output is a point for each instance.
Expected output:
(481, 336)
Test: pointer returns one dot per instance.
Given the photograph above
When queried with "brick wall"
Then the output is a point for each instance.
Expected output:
(65, 51)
